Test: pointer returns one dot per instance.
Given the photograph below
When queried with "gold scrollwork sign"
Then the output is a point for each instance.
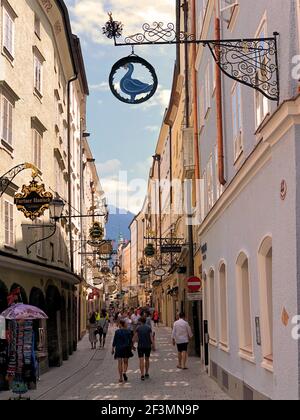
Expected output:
(34, 200)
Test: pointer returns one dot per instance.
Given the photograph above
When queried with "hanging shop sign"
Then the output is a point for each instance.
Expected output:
(33, 200)
(139, 82)
(171, 249)
(160, 272)
(106, 248)
(96, 231)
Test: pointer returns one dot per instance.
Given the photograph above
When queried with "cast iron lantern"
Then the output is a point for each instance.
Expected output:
(56, 208)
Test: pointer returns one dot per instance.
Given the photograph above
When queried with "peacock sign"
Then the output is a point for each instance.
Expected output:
(133, 80)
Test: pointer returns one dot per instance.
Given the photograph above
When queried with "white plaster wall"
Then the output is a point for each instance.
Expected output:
(256, 213)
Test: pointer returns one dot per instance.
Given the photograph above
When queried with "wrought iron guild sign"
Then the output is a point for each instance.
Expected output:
(34, 200)
(252, 62)
(133, 80)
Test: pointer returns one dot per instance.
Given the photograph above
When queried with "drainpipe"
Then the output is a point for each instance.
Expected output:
(195, 97)
(70, 174)
(221, 169)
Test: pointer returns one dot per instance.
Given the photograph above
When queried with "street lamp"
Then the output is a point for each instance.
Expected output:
(56, 208)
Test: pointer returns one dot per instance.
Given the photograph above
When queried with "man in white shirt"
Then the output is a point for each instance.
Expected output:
(181, 336)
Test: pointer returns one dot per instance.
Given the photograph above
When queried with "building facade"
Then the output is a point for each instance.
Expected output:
(43, 117)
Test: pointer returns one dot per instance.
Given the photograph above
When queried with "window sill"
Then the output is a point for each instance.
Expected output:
(239, 158)
(8, 56)
(7, 146)
(10, 248)
(268, 365)
(213, 342)
(247, 355)
(38, 94)
(224, 347)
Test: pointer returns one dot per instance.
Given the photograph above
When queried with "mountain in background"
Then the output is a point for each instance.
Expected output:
(118, 224)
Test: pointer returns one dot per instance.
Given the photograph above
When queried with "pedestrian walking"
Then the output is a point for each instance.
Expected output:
(92, 327)
(181, 336)
(144, 338)
(122, 349)
(102, 327)
(156, 318)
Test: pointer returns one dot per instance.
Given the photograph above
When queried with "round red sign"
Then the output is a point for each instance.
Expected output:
(194, 284)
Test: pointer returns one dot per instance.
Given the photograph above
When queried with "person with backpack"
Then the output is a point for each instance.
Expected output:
(92, 327)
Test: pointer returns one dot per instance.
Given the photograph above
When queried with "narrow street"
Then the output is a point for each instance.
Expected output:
(92, 375)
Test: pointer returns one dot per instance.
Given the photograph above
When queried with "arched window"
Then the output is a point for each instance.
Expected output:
(223, 307)
(244, 314)
(212, 308)
(265, 263)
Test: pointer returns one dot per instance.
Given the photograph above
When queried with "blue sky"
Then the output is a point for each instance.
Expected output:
(123, 137)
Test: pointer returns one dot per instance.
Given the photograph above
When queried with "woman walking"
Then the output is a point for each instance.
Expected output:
(93, 330)
(122, 349)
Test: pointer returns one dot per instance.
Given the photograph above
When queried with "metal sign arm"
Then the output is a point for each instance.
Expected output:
(7, 178)
(252, 61)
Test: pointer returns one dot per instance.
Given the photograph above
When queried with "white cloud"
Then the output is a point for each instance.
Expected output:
(100, 87)
(110, 167)
(152, 128)
(89, 16)
(160, 99)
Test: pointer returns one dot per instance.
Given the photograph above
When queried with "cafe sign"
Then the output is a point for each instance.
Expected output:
(33, 200)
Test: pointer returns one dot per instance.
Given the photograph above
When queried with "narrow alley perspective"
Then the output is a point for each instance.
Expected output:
(92, 375)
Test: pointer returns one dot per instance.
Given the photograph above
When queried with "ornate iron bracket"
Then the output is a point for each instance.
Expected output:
(7, 178)
(252, 62)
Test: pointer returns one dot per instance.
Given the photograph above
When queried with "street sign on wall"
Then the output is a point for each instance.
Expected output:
(194, 284)
(194, 297)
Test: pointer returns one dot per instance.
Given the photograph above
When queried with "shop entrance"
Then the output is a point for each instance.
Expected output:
(53, 305)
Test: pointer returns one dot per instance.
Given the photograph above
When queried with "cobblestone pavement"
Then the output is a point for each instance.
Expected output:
(92, 375)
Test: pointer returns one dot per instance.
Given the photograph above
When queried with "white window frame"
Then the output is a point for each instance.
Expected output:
(237, 120)
(212, 308)
(210, 184)
(8, 40)
(261, 103)
(223, 304)
(37, 139)
(207, 91)
(219, 186)
(38, 75)
(9, 224)
(6, 120)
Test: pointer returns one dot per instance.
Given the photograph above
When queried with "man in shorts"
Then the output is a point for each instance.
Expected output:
(181, 336)
(144, 338)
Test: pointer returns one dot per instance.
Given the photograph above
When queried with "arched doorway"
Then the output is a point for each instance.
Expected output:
(53, 308)
(3, 296)
(23, 296)
(37, 299)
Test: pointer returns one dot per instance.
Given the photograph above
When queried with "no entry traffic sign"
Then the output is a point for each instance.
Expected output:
(194, 284)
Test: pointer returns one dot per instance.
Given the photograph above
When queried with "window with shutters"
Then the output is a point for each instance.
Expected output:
(6, 120)
(8, 32)
(9, 224)
(37, 148)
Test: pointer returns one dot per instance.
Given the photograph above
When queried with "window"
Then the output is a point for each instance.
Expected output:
(244, 307)
(202, 105)
(265, 260)
(38, 73)
(37, 26)
(223, 306)
(210, 184)
(219, 186)
(8, 32)
(9, 223)
(6, 120)
(212, 308)
(40, 234)
(237, 120)
(37, 148)
(201, 11)
(213, 72)
(261, 102)
(207, 90)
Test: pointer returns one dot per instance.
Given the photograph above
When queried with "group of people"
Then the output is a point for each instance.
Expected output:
(135, 332)
(135, 328)
(98, 326)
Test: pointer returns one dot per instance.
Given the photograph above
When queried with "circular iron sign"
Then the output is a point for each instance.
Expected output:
(133, 80)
